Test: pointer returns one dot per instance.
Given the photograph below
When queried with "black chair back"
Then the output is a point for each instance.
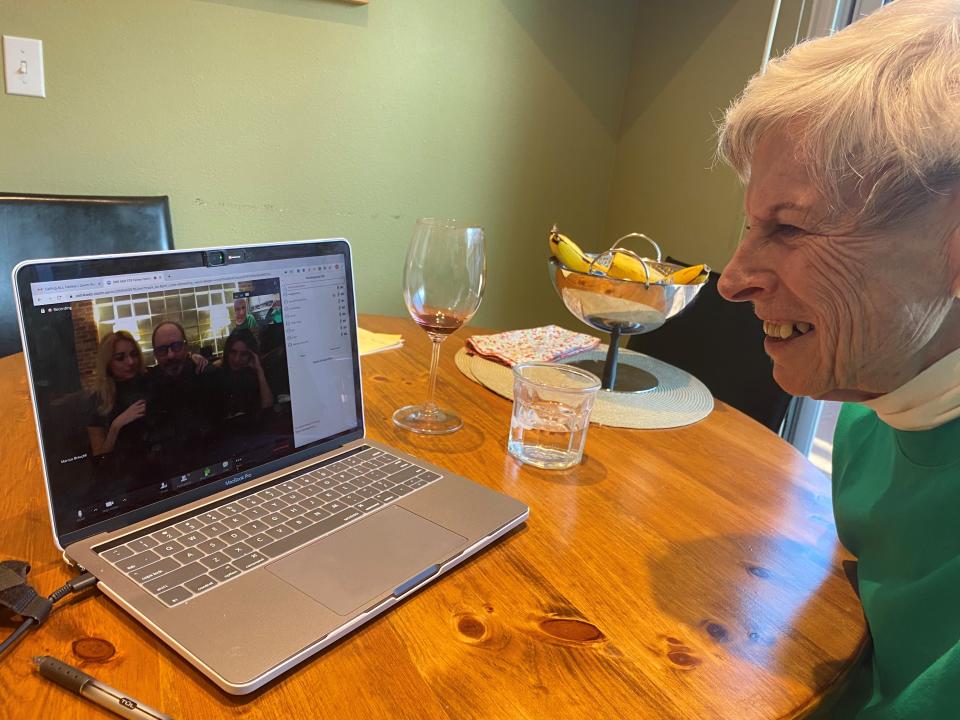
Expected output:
(48, 226)
(721, 344)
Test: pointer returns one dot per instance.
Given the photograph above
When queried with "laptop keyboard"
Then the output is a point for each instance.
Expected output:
(195, 555)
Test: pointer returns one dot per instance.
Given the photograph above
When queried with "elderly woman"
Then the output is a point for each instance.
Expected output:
(851, 149)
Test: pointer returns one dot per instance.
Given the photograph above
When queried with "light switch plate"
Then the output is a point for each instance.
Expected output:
(23, 66)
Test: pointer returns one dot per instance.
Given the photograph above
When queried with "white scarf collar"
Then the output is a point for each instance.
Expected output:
(930, 399)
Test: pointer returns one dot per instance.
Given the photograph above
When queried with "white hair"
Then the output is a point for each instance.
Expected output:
(874, 111)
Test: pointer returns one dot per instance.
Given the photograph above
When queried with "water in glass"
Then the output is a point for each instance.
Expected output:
(551, 414)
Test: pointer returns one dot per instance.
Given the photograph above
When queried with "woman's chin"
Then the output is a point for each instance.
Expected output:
(801, 385)
(797, 384)
(847, 395)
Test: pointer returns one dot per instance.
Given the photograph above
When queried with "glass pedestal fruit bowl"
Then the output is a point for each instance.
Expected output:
(622, 307)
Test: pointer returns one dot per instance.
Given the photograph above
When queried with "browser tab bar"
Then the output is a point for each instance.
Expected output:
(58, 291)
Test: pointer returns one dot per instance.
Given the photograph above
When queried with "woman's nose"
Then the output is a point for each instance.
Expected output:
(743, 278)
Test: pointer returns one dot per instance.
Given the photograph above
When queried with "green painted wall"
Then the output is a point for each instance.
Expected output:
(269, 120)
(692, 57)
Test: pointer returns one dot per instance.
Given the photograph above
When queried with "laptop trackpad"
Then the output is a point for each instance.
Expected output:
(348, 569)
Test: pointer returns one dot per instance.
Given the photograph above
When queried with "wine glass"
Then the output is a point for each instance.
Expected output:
(443, 283)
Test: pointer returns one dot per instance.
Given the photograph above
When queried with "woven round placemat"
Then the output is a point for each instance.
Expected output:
(680, 399)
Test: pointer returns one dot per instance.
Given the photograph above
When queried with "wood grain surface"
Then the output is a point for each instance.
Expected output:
(685, 573)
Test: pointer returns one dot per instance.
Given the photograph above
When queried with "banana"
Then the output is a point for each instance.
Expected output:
(622, 267)
(568, 252)
(625, 267)
(685, 276)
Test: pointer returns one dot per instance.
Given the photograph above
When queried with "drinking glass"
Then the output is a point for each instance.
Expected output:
(443, 283)
(551, 414)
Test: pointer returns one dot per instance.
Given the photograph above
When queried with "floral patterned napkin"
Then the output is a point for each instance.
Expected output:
(541, 344)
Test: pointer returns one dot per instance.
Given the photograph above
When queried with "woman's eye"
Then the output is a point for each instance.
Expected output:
(783, 230)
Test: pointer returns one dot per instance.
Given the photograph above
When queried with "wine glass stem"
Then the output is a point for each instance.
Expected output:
(429, 406)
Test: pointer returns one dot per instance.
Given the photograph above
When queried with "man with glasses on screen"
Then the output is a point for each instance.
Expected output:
(177, 407)
(171, 353)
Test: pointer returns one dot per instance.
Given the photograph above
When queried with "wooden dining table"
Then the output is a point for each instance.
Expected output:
(693, 572)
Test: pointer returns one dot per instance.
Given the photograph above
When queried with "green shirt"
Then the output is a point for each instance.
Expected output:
(250, 324)
(896, 499)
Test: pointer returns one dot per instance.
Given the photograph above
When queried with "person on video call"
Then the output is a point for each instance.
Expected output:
(171, 352)
(243, 319)
(119, 403)
(178, 407)
(240, 387)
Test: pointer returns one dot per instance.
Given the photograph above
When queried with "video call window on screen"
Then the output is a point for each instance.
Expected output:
(156, 392)
(208, 312)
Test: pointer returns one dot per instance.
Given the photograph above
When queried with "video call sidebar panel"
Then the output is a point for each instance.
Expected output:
(319, 353)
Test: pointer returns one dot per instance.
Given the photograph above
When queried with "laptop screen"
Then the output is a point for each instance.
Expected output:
(161, 378)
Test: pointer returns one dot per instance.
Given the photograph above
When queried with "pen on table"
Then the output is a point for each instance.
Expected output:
(95, 691)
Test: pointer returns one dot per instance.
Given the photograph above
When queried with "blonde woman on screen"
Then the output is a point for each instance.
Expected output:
(119, 392)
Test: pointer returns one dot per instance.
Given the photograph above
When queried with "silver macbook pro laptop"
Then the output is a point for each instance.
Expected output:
(201, 427)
